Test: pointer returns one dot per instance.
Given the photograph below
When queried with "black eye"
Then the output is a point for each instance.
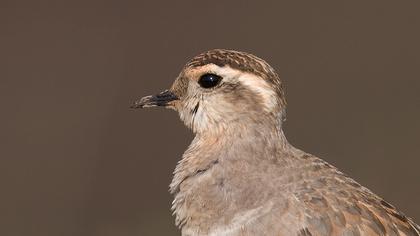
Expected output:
(209, 80)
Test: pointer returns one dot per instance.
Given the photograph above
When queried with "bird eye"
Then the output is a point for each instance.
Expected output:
(209, 80)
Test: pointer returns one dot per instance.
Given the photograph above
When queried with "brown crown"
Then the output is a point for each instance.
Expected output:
(241, 61)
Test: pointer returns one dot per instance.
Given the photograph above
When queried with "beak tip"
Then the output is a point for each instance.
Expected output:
(136, 105)
(162, 99)
(142, 103)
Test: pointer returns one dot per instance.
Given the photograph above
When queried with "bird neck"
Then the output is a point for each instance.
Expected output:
(208, 152)
(261, 133)
(256, 142)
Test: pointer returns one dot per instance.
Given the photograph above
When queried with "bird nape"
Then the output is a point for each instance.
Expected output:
(240, 175)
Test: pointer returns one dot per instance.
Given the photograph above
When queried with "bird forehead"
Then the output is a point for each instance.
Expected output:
(229, 64)
(241, 61)
(225, 72)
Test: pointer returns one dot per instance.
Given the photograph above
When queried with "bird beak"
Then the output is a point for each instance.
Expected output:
(163, 99)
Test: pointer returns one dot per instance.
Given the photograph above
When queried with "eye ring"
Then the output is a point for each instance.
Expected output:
(209, 80)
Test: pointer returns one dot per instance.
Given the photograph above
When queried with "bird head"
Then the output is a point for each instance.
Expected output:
(221, 89)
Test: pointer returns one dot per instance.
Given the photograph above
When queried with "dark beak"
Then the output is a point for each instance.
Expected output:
(162, 99)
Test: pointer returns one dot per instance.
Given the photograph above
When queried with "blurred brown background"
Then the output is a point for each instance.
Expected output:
(74, 160)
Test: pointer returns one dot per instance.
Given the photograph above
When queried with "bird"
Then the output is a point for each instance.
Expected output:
(240, 175)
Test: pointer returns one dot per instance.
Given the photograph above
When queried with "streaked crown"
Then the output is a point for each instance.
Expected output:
(242, 61)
